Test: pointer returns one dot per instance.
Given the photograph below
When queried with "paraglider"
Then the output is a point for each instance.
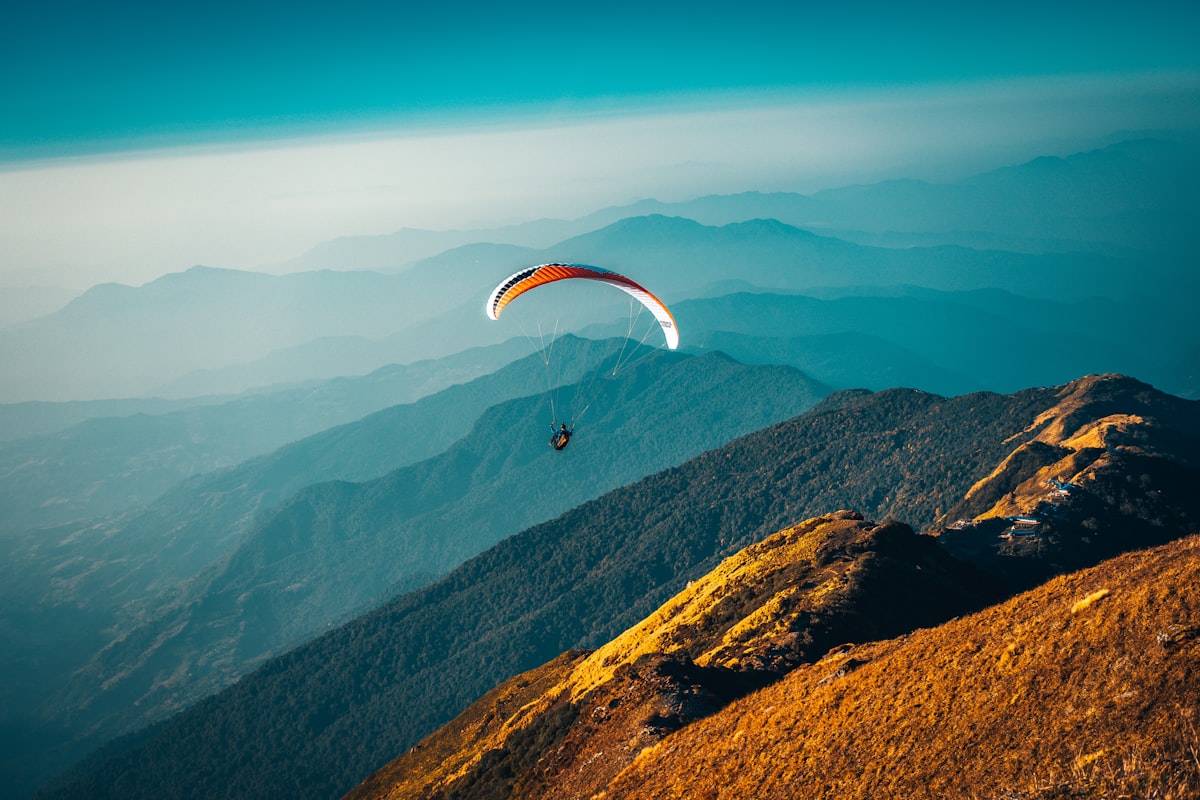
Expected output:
(561, 436)
(530, 278)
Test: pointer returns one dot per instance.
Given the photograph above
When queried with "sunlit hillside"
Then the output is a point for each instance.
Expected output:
(774, 605)
(1084, 687)
(1109, 467)
(1080, 688)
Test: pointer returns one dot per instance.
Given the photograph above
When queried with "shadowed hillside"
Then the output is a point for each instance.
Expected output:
(322, 718)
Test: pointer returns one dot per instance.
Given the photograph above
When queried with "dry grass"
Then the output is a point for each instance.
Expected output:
(1081, 605)
(747, 575)
(710, 643)
(1077, 403)
(1067, 441)
(1025, 700)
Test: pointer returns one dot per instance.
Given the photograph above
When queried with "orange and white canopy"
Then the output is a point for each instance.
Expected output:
(516, 285)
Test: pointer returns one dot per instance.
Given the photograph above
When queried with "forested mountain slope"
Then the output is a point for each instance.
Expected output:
(334, 549)
(317, 721)
(570, 728)
(68, 593)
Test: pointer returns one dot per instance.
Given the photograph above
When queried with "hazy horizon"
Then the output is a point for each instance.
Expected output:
(141, 144)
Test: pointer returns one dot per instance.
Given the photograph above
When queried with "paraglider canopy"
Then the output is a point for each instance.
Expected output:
(564, 416)
(519, 283)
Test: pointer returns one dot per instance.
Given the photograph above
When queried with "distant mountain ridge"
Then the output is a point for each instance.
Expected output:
(683, 256)
(359, 695)
(956, 341)
(1124, 211)
(1049, 316)
(18, 304)
(1142, 183)
(113, 462)
(121, 341)
(127, 340)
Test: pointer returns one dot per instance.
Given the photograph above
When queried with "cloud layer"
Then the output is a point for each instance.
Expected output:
(135, 216)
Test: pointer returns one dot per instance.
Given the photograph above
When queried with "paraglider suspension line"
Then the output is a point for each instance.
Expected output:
(635, 313)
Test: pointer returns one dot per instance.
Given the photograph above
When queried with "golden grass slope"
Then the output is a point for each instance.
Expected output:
(570, 727)
(751, 601)
(1086, 687)
(1093, 419)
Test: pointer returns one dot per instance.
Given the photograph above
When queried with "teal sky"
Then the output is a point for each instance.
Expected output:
(88, 77)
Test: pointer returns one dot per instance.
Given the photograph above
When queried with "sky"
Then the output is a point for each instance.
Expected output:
(143, 138)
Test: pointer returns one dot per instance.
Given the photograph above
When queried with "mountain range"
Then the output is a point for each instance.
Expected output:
(1110, 214)
(122, 341)
(269, 534)
(956, 341)
(320, 719)
(191, 591)
(813, 604)
(123, 456)
(110, 343)
(1128, 195)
